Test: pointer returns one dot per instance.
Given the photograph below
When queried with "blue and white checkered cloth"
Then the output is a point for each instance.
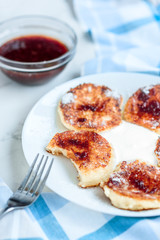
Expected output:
(52, 217)
(127, 38)
(126, 35)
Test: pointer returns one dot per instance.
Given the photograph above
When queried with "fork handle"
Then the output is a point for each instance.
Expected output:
(5, 210)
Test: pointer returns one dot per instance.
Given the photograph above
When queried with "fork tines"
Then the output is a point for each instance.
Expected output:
(34, 182)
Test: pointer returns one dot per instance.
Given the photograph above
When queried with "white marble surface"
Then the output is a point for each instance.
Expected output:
(16, 100)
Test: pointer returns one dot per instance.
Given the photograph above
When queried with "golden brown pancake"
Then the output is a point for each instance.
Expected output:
(143, 108)
(90, 107)
(90, 153)
(157, 151)
(134, 186)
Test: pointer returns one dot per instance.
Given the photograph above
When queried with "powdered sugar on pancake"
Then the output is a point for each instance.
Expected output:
(68, 98)
(147, 89)
(112, 93)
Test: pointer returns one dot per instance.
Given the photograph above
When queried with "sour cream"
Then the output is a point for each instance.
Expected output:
(131, 142)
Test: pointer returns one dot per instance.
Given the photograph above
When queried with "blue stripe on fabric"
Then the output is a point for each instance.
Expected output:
(47, 220)
(141, 231)
(156, 72)
(158, 65)
(33, 238)
(54, 201)
(154, 11)
(132, 25)
(112, 228)
(158, 8)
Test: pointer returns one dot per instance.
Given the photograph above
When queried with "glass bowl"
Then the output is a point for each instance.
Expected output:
(34, 73)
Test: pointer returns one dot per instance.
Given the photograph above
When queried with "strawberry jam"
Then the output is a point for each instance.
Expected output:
(148, 105)
(32, 49)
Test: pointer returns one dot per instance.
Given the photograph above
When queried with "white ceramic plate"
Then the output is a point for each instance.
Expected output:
(43, 122)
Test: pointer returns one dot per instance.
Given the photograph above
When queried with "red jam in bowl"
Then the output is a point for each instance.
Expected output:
(34, 49)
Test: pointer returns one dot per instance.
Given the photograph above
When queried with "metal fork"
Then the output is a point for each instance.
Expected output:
(31, 186)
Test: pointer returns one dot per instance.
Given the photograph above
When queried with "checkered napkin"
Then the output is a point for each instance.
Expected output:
(127, 38)
(126, 35)
(52, 217)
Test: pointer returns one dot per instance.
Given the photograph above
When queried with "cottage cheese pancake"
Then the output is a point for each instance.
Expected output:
(90, 153)
(90, 107)
(157, 151)
(134, 186)
(143, 108)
